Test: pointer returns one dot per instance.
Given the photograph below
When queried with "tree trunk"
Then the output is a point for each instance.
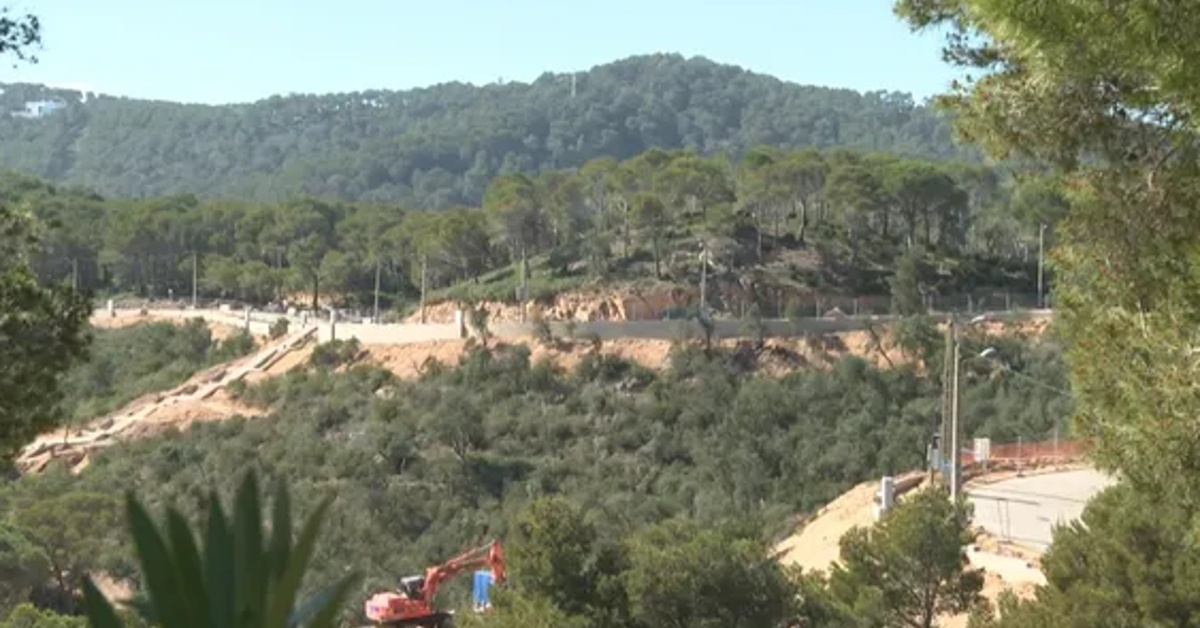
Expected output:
(657, 266)
(758, 228)
(625, 244)
(316, 294)
(803, 221)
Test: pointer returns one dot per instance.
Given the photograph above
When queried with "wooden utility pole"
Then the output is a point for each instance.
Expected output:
(947, 379)
(1041, 300)
(375, 311)
(195, 276)
(955, 446)
(424, 267)
(524, 289)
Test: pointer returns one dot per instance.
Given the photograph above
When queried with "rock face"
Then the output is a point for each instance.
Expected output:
(625, 305)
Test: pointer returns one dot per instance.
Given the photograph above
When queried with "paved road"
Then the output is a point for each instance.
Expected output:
(1024, 510)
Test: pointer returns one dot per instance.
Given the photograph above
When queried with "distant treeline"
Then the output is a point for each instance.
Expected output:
(775, 222)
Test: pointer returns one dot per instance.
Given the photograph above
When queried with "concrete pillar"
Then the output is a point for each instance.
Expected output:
(332, 324)
(983, 451)
(247, 319)
(887, 492)
(887, 496)
(112, 310)
(460, 321)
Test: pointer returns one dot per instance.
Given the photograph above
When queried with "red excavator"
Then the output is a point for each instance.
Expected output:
(412, 603)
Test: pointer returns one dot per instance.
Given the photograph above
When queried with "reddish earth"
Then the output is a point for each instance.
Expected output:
(595, 305)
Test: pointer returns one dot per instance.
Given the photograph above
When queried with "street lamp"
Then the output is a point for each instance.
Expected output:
(990, 353)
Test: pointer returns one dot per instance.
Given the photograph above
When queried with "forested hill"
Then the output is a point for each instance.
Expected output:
(439, 146)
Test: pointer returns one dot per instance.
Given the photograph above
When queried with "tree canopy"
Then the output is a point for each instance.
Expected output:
(1112, 117)
(437, 147)
(777, 228)
(1092, 96)
(42, 333)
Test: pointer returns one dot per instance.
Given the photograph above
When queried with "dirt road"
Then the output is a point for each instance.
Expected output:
(201, 387)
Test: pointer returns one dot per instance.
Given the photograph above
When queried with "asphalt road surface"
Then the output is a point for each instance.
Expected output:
(1025, 510)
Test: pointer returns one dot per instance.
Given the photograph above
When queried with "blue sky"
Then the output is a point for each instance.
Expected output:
(219, 51)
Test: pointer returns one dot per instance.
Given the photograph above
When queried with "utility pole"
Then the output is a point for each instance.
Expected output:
(424, 267)
(943, 441)
(524, 282)
(955, 446)
(195, 276)
(375, 312)
(1041, 300)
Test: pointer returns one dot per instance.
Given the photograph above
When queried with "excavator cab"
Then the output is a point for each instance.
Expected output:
(413, 587)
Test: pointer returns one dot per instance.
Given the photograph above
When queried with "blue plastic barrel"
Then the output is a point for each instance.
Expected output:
(482, 589)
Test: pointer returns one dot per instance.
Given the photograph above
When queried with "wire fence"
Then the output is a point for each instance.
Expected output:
(810, 305)
(818, 305)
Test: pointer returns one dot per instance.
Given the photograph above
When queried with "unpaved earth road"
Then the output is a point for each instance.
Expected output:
(196, 391)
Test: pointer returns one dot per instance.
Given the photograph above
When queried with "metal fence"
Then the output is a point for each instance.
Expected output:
(983, 301)
(794, 307)
(1021, 453)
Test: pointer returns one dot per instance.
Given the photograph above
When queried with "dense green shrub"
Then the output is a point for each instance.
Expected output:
(426, 468)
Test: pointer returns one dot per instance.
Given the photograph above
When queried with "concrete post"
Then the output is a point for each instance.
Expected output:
(887, 496)
(460, 320)
(983, 451)
(332, 324)
(247, 319)
(112, 310)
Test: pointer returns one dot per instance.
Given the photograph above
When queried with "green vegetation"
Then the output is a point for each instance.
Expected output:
(439, 146)
(427, 467)
(908, 569)
(126, 363)
(632, 498)
(43, 331)
(780, 230)
(1095, 94)
(242, 572)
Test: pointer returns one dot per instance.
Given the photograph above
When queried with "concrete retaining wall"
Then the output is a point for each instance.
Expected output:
(639, 330)
(402, 333)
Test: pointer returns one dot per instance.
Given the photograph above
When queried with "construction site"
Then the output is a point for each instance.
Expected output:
(1019, 491)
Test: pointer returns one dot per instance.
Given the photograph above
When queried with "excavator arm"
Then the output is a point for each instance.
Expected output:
(490, 555)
